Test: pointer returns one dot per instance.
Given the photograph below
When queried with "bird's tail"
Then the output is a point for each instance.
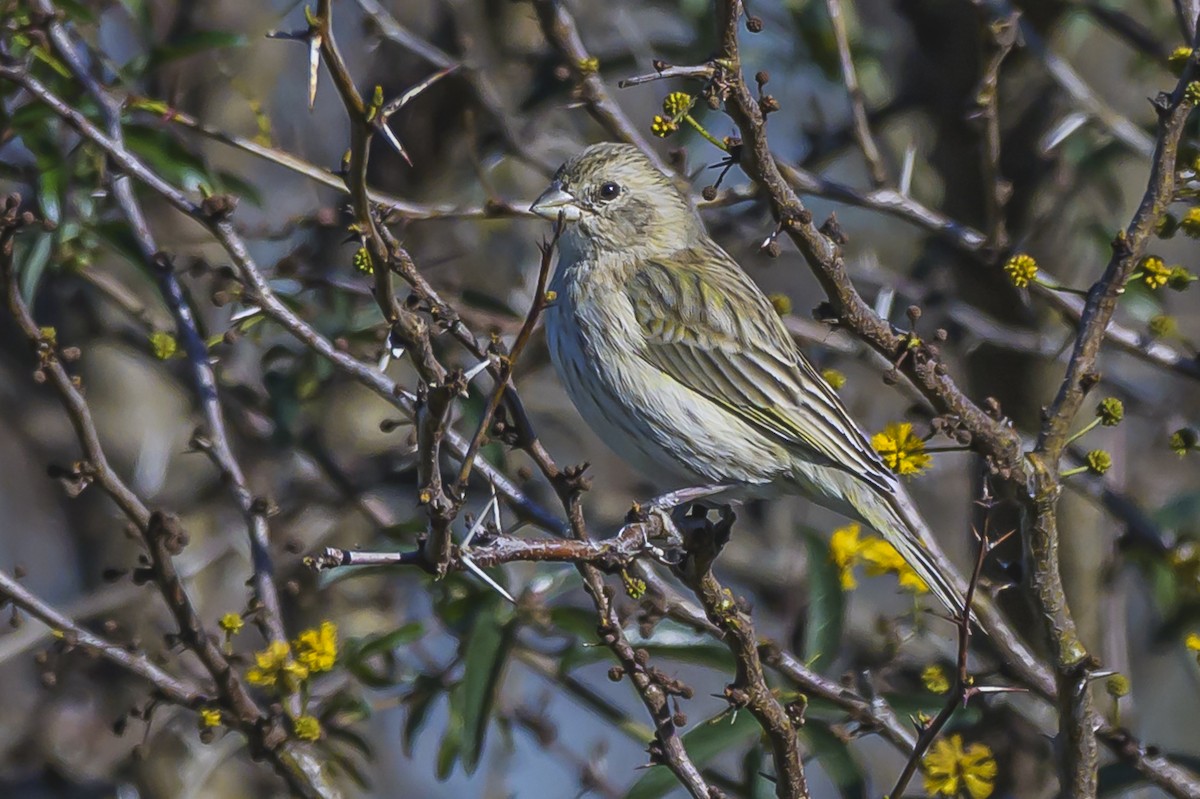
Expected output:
(897, 519)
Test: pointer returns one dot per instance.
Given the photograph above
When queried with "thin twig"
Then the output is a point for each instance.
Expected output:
(1078, 720)
(173, 688)
(1000, 37)
(963, 688)
(509, 362)
(858, 111)
(560, 30)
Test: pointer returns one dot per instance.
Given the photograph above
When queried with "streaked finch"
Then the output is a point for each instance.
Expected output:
(677, 359)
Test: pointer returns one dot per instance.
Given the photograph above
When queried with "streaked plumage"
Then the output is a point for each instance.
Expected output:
(677, 359)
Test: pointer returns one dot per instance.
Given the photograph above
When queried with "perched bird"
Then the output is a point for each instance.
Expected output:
(681, 364)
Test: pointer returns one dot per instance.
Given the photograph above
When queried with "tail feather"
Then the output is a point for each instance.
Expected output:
(896, 518)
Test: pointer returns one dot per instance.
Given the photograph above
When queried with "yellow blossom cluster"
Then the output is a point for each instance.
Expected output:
(834, 378)
(284, 668)
(935, 680)
(663, 127)
(1155, 272)
(1179, 58)
(163, 344)
(307, 728)
(1190, 223)
(1021, 270)
(848, 548)
(901, 449)
(954, 771)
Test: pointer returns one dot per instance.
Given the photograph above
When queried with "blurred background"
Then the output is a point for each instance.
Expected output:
(1076, 133)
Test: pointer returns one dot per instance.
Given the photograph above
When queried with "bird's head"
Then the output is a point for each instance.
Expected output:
(614, 199)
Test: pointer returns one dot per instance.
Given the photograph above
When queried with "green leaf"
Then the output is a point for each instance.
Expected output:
(836, 759)
(49, 193)
(826, 606)
(230, 183)
(485, 654)
(448, 752)
(167, 156)
(755, 782)
(704, 743)
(404, 634)
(372, 660)
(33, 265)
(420, 702)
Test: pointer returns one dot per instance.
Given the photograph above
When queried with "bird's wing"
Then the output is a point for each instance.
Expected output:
(742, 357)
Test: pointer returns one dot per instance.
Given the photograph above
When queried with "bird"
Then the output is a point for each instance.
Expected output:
(681, 364)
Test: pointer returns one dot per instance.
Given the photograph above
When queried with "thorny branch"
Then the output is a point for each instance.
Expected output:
(162, 536)
(963, 688)
(749, 688)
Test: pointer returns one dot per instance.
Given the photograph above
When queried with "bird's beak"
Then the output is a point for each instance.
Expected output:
(556, 200)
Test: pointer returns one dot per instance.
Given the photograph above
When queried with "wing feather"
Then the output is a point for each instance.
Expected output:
(743, 358)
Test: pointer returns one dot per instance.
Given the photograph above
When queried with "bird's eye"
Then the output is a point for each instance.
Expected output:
(609, 191)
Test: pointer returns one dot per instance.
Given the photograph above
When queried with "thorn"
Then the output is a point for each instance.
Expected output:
(244, 314)
(482, 575)
(392, 140)
(314, 63)
(470, 374)
(479, 523)
(906, 171)
(403, 100)
(495, 508)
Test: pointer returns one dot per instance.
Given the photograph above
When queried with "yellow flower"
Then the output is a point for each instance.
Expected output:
(307, 728)
(163, 344)
(274, 668)
(677, 104)
(210, 717)
(844, 545)
(1154, 272)
(1193, 644)
(1178, 59)
(902, 451)
(834, 378)
(935, 680)
(231, 623)
(362, 261)
(882, 558)
(1192, 95)
(1190, 224)
(1021, 270)
(950, 769)
(663, 127)
(316, 650)
(782, 303)
(589, 66)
